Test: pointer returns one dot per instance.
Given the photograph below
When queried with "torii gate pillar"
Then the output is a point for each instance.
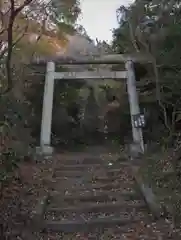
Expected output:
(45, 136)
(134, 105)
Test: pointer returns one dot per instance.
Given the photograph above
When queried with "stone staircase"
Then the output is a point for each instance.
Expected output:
(93, 198)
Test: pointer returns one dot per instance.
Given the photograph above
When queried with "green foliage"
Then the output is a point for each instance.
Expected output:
(64, 14)
(154, 27)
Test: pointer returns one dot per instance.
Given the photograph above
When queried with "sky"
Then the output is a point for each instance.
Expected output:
(99, 17)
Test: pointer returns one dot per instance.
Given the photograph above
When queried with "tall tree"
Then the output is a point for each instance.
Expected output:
(21, 21)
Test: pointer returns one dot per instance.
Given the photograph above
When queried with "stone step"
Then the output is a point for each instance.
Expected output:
(89, 215)
(88, 172)
(98, 207)
(127, 194)
(92, 179)
(82, 158)
(80, 166)
(76, 167)
(109, 180)
(95, 186)
(75, 173)
(64, 166)
(85, 161)
(135, 231)
(81, 225)
(100, 197)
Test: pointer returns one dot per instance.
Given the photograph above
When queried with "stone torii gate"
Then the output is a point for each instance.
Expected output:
(128, 74)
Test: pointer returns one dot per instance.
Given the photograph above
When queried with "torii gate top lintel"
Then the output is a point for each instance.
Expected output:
(93, 60)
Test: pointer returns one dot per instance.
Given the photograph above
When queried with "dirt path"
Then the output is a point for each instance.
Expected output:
(91, 195)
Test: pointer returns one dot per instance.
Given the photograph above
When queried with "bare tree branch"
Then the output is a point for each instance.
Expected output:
(13, 14)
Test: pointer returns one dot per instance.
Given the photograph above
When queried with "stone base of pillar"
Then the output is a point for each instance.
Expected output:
(45, 151)
(134, 151)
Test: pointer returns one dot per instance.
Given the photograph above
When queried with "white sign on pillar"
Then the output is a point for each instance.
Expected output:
(45, 137)
(134, 103)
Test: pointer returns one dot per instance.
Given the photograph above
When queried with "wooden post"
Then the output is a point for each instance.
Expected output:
(134, 104)
(45, 137)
